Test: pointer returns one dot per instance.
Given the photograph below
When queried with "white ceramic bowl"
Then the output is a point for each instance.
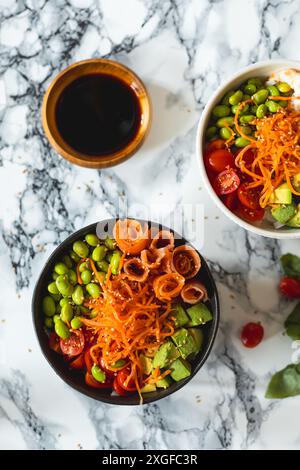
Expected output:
(260, 69)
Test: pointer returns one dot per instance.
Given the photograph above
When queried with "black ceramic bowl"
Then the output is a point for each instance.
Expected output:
(75, 378)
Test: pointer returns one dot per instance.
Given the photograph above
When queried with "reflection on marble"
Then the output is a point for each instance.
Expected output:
(182, 49)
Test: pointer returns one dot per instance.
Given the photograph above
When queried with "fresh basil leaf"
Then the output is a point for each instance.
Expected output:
(291, 265)
(285, 383)
(292, 323)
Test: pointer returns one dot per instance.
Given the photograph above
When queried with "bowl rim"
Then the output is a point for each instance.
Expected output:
(280, 63)
(90, 392)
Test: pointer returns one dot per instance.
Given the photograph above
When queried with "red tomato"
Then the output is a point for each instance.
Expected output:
(109, 373)
(78, 362)
(248, 197)
(118, 389)
(54, 342)
(252, 334)
(290, 287)
(226, 182)
(231, 201)
(89, 380)
(74, 345)
(216, 144)
(251, 215)
(88, 360)
(122, 376)
(219, 160)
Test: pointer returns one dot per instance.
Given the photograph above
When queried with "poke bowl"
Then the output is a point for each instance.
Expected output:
(126, 311)
(248, 148)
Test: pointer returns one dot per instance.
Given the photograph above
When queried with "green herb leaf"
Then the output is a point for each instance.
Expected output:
(292, 323)
(285, 383)
(291, 265)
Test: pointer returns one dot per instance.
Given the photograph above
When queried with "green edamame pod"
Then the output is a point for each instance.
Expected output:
(273, 90)
(63, 284)
(225, 121)
(221, 110)
(52, 288)
(76, 323)
(61, 329)
(74, 256)
(250, 88)
(86, 276)
(241, 142)
(92, 239)
(81, 249)
(48, 322)
(284, 87)
(93, 289)
(60, 268)
(66, 313)
(110, 243)
(247, 118)
(261, 111)
(68, 262)
(72, 276)
(236, 97)
(115, 261)
(98, 373)
(77, 295)
(48, 306)
(272, 106)
(99, 253)
(103, 265)
(225, 100)
(210, 132)
(255, 81)
(225, 133)
(260, 96)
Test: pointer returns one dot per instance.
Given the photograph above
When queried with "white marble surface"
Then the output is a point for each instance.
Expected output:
(182, 49)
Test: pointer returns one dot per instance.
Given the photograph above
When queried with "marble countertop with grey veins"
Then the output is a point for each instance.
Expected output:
(182, 49)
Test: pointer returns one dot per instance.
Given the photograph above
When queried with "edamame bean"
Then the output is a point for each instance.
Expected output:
(93, 289)
(66, 313)
(52, 288)
(255, 81)
(283, 103)
(225, 121)
(247, 130)
(225, 133)
(272, 106)
(72, 276)
(61, 329)
(60, 268)
(236, 97)
(98, 374)
(210, 132)
(115, 261)
(250, 88)
(93, 313)
(81, 249)
(273, 90)
(221, 110)
(54, 276)
(99, 253)
(63, 302)
(86, 276)
(241, 142)
(56, 297)
(253, 108)
(118, 364)
(63, 285)
(68, 262)
(261, 111)
(284, 87)
(48, 322)
(110, 243)
(74, 256)
(103, 265)
(48, 306)
(81, 309)
(55, 318)
(225, 100)
(77, 295)
(84, 266)
(242, 110)
(246, 97)
(247, 118)
(92, 239)
(76, 323)
(260, 96)
(109, 255)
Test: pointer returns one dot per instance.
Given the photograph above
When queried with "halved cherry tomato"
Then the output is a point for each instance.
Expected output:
(231, 201)
(219, 160)
(248, 197)
(251, 215)
(252, 334)
(78, 362)
(89, 380)
(122, 376)
(109, 373)
(226, 182)
(290, 287)
(88, 360)
(118, 389)
(74, 345)
(216, 144)
(54, 342)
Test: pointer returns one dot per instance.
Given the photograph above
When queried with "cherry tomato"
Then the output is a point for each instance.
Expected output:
(251, 215)
(231, 201)
(248, 197)
(226, 182)
(290, 287)
(252, 334)
(122, 376)
(109, 373)
(89, 380)
(118, 389)
(216, 144)
(78, 362)
(219, 160)
(54, 342)
(74, 345)
(88, 360)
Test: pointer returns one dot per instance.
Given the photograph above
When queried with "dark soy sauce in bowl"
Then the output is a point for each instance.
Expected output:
(98, 114)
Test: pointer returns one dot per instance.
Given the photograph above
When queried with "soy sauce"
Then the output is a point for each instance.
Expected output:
(98, 114)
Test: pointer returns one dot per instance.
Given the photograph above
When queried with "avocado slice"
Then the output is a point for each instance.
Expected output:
(185, 342)
(180, 316)
(199, 314)
(281, 195)
(295, 221)
(146, 363)
(165, 355)
(148, 388)
(165, 382)
(181, 369)
(284, 213)
(198, 337)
